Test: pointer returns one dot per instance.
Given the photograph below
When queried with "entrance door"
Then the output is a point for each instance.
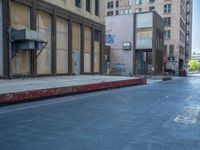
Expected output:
(76, 63)
(141, 67)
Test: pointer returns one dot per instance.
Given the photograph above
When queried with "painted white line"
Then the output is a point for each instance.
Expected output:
(189, 98)
(189, 115)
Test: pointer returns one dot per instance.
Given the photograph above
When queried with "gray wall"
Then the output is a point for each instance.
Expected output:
(1, 41)
(144, 20)
(120, 29)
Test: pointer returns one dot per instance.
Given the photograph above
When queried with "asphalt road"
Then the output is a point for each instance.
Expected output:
(160, 116)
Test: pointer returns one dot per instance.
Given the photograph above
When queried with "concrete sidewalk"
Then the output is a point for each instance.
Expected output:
(32, 88)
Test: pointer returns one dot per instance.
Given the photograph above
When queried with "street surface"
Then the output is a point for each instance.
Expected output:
(158, 116)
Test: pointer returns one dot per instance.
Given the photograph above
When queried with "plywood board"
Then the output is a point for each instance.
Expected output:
(97, 63)
(44, 26)
(20, 19)
(62, 45)
(87, 39)
(96, 56)
(87, 50)
(76, 37)
(87, 62)
(96, 47)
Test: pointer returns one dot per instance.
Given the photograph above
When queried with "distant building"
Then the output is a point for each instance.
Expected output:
(196, 56)
(73, 29)
(177, 15)
(137, 43)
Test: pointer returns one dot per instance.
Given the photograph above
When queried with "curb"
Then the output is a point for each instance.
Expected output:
(51, 92)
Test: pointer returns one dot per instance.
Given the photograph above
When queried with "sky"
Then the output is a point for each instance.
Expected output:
(196, 26)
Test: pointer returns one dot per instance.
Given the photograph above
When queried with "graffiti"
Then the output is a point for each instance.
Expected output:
(110, 39)
(119, 67)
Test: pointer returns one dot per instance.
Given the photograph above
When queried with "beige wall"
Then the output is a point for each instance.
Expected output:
(70, 5)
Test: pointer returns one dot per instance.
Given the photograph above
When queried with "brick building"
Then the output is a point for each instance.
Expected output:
(177, 15)
(73, 30)
(136, 42)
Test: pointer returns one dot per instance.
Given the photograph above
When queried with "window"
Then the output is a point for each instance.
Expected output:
(151, 8)
(110, 13)
(110, 5)
(182, 24)
(167, 21)
(121, 12)
(78, 3)
(165, 49)
(117, 4)
(167, 34)
(137, 10)
(182, 51)
(97, 7)
(138, 2)
(129, 11)
(182, 37)
(126, 11)
(151, 1)
(129, 2)
(144, 34)
(167, 8)
(171, 50)
(117, 12)
(88, 5)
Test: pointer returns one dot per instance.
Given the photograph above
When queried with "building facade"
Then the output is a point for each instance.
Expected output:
(136, 42)
(177, 15)
(73, 30)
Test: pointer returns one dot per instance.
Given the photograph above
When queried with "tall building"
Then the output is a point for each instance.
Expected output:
(177, 15)
(51, 37)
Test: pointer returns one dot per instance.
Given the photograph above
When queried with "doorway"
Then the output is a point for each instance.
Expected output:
(143, 63)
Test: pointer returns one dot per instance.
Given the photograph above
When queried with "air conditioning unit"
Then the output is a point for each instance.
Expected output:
(26, 39)
(26, 34)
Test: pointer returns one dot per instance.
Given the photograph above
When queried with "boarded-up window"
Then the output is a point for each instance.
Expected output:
(62, 45)
(44, 59)
(76, 48)
(1, 41)
(20, 19)
(76, 37)
(87, 50)
(96, 51)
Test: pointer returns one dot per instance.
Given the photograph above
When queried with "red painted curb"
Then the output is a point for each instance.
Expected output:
(29, 95)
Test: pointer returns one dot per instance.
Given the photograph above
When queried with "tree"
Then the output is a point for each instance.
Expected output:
(194, 65)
